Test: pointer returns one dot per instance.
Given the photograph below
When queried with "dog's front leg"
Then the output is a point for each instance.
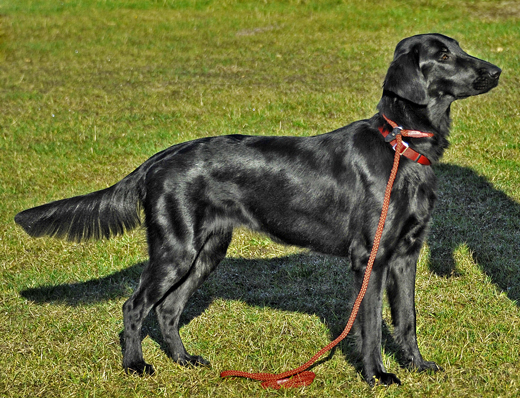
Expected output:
(401, 296)
(368, 325)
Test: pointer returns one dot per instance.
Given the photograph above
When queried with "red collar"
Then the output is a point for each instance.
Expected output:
(406, 151)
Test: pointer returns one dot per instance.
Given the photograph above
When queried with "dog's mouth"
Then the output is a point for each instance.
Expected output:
(484, 84)
(486, 81)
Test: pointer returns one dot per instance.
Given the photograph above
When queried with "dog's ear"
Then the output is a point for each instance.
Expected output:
(404, 78)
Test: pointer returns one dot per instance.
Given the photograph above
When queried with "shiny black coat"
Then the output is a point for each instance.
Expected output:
(324, 193)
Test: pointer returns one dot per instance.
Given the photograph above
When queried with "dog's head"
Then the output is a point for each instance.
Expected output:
(433, 66)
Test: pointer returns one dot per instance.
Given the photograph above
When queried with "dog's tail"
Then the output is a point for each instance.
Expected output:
(97, 215)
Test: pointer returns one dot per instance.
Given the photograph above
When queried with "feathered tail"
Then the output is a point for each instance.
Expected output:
(97, 215)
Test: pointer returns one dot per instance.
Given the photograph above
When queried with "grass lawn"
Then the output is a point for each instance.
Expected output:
(89, 89)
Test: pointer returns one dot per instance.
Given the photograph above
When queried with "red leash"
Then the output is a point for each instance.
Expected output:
(300, 377)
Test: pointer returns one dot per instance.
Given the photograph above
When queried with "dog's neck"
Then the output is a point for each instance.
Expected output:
(433, 118)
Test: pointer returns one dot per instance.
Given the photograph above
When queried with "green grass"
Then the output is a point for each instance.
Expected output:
(90, 88)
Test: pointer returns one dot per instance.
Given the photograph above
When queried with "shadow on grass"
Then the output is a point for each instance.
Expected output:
(469, 211)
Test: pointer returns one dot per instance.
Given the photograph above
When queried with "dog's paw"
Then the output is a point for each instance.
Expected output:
(384, 379)
(140, 368)
(192, 360)
(421, 365)
(427, 366)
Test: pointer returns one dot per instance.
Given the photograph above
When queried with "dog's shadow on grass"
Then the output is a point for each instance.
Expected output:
(469, 212)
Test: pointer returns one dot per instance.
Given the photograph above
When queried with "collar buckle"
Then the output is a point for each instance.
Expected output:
(405, 150)
(405, 146)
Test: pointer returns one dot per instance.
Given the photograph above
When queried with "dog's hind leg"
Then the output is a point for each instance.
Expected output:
(153, 287)
(171, 307)
(135, 310)
(171, 259)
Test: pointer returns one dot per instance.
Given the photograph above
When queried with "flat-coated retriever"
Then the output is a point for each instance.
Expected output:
(324, 193)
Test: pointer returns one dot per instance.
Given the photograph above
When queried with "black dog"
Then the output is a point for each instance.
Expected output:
(323, 192)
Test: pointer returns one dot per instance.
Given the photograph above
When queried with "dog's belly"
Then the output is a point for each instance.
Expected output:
(312, 216)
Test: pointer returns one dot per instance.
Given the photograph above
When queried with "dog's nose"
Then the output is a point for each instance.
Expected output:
(495, 72)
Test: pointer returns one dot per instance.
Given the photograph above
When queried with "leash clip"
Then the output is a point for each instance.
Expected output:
(394, 133)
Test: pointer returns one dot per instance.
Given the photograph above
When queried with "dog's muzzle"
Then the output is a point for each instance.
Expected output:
(487, 79)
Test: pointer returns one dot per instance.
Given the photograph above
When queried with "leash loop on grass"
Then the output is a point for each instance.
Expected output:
(300, 377)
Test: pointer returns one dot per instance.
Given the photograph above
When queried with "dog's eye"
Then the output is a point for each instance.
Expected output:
(445, 57)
